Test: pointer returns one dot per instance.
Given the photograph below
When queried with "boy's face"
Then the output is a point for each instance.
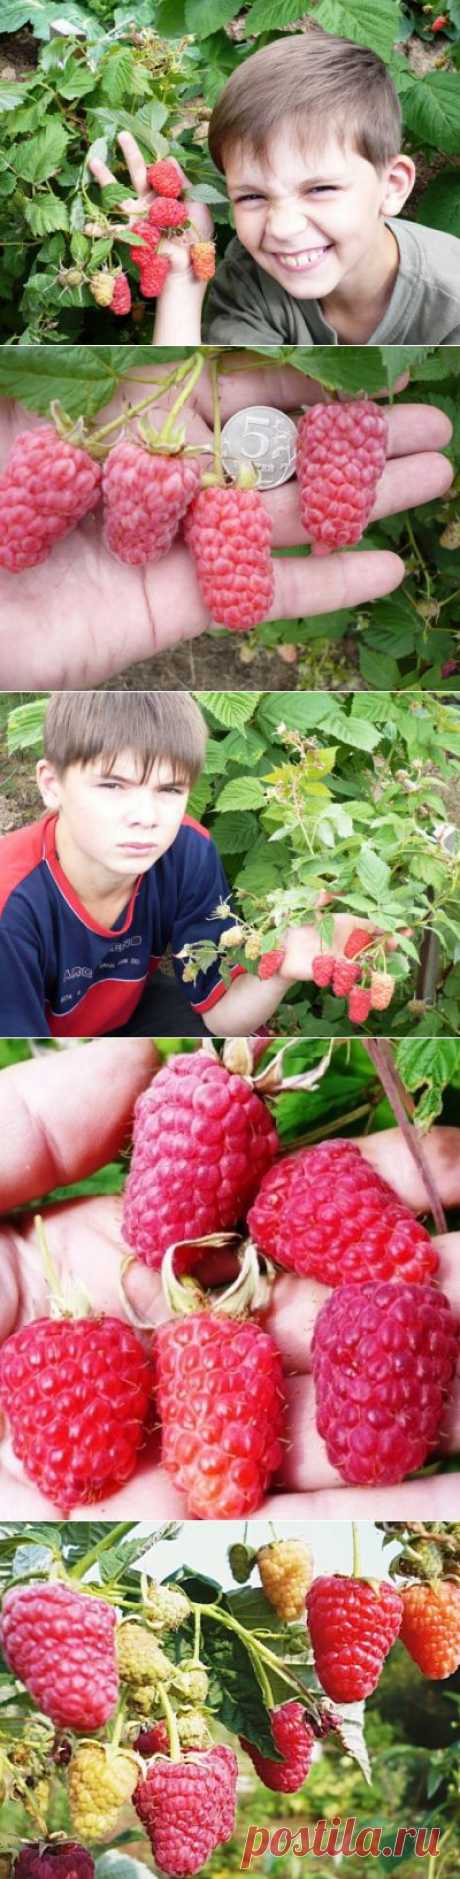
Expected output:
(309, 218)
(116, 820)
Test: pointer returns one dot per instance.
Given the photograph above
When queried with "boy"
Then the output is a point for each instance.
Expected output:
(114, 872)
(307, 132)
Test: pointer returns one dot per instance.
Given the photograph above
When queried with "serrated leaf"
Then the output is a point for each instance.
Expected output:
(46, 214)
(432, 110)
(235, 833)
(373, 873)
(440, 205)
(207, 16)
(244, 793)
(232, 709)
(41, 157)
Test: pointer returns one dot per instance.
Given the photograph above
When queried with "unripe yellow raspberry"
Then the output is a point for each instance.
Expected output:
(286, 1571)
(143, 1699)
(167, 1606)
(193, 1731)
(140, 1658)
(192, 1681)
(101, 287)
(101, 1780)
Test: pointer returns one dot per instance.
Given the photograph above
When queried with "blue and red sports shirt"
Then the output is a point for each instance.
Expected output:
(63, 975)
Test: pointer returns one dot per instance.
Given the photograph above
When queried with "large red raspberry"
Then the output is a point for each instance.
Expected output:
(202, 1141)
(153, 274)
(48, 486)
(165, 177)
(326, 1213)
(340, 458)
(220, 1396)
(145, 497)
(226, 1769)
(384, 1359)
(345, 974)
(295, 1739)
(322, 968)
(121, 297)
(271, 962)
(60, 1859)
(359, 1004)
(76, 1392)
(352, 1627)
(60, 1643)
(165, 213)
(229, 532)
(181, 1805)
(430, 1626)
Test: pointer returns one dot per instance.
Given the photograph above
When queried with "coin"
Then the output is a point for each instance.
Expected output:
(264, 437)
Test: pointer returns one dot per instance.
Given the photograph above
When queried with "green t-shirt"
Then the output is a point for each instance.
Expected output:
(246, 307)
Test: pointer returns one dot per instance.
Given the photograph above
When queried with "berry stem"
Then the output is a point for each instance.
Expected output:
(251, 1644)
(356, 1568)
(117, 1730)
(217, 457)
(110, 1539)
(185, 393)
(195, 1659)
(134, 411)
(173, 1733)
(49, 1268)
(381, 1055)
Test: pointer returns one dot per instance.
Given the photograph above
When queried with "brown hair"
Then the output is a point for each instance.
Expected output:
(323, 84)
(81, 726)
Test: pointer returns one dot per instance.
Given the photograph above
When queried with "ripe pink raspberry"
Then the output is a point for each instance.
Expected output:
(164, 213)
(181, 1807)
(153, 274)
(48, 486)
(295, 1739)
(341, 452)
(359, 1004)
(202, 1141)
(145, 495)
(229, 533)
(384, 1362)
(226, 1770)
(150, 238)
(60, 1643)
(121, 297)
(322, 968)
(56, 1859)
(352, 1627)
(221, 1435)
(271, 962)
(357, 942)
(76, 1392)
(325, 1213)
(344, 977)
(382, 988)
(164, 176)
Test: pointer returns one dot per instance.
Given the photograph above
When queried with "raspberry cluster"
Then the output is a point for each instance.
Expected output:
(364, 988)
(166, 215)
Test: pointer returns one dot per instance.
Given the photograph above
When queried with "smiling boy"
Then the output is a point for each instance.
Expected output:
(307, 132)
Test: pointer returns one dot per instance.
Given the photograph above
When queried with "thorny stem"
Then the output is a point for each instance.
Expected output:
(381, 1055)
(173, 1733)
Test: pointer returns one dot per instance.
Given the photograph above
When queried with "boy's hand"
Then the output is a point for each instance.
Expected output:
(116, 614)
(177, 251)
(57, 1129)
(301, 944)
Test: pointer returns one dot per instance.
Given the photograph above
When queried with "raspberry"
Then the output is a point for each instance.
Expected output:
(167, 1606)
(295, 1739)
(101, 286)
(285, 1569)
(325, 1213)
(430, 1626)
(202, 1141)
(226, 1770)
(384, 1361)
(140, 1659)
(221, 1434)
(203, 259)
(181, 1805)
(359, 1004)
(61, 1859)
(192, 1730)
(121, 297)
(150, 240)
(48, 486)
(382, 988)
(322, 968)
(193, 1682)
(154, 272)
(271, 962)
(76, 1392)
(358, 939)
(164, 176)
(164, 213)
(145, 496)
(437, 26)
(344, 977)
(352, 1627)
(101, 1780)
(229, 533)
(340, 458)
(60, 1643)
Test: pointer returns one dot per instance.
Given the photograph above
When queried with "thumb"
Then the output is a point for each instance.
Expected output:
(62, 1119)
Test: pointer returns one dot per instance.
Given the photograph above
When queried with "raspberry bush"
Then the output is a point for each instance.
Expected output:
(274, 1697)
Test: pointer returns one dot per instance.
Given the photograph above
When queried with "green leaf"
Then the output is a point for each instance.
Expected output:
(41, 157)
(432, 110)
(206, 16)
(46, 214)
(355, 731)
(230, 708)
(235, 833)
(440, 205)
(373, 872)
(244, 793)
(378, 668)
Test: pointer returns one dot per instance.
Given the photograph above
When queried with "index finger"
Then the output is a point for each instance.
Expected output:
(62, 1121)
(134, 161)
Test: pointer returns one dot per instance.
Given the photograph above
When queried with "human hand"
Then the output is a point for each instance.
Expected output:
(116, 614)
(177, 250)
(58, 1130)
(301, 944)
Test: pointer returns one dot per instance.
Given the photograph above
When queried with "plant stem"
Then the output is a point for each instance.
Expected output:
(252, 1645)
(196, 1636)
(216, 419)
(173, 1733)
(115, 1738)
(110, 1539)
(381, 1055)
(49, 1268)
(162, 385)
(187, 389)
(356, 1569)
